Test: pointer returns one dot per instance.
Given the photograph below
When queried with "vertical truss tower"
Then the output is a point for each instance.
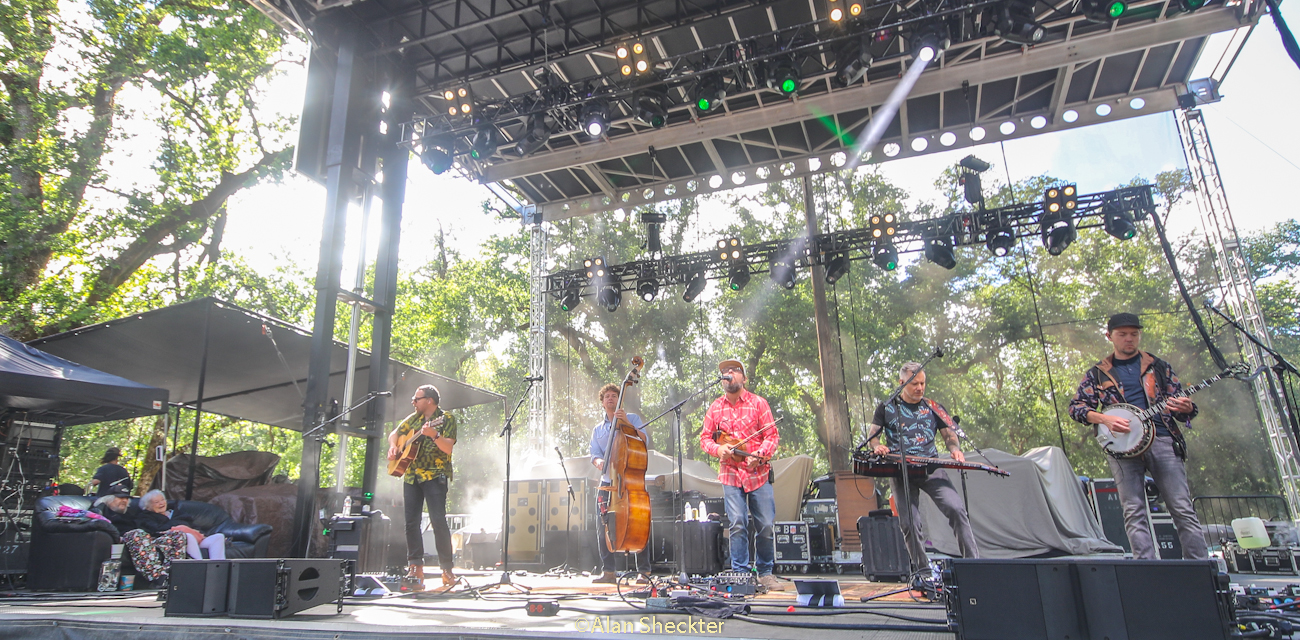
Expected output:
(1237, 291)
(538, 437)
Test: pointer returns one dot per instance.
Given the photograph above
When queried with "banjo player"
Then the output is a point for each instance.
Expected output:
(1134, 377)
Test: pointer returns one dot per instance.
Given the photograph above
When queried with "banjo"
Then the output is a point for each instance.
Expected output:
(1142, 429)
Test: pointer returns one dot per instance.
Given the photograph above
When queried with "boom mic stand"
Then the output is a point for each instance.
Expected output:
(906, 500)
(565, 569)
(679, 552)
(506, 431)
(956, 427)
(1280, 367)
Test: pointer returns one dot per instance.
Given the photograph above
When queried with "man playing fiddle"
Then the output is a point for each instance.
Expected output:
(739, 415)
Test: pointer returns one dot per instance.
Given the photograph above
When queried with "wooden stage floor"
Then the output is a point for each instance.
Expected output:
(586, 610)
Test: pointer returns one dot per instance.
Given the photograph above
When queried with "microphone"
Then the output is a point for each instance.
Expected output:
(938, 351)
(383, 394)
(533, 379)
(726, 377)
(956, 426)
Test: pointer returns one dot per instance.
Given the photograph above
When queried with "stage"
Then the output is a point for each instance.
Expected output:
(585, 610)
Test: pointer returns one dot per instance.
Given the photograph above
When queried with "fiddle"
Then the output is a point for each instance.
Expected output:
(738, 454)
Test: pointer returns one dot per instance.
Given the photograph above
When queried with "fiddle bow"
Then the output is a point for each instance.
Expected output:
(738, 455)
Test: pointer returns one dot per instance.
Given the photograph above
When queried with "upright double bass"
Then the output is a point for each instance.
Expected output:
(625, 462)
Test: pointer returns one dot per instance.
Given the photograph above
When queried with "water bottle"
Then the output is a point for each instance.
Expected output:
(347, 506)
(701, 512)
(688, 515)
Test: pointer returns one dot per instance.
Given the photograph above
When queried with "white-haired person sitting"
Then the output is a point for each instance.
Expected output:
(151, 553)
(157, 519)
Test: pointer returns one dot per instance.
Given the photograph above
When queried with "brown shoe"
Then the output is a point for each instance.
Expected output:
(771, 583)
(414, 580)
(448, 578)
(608, 577)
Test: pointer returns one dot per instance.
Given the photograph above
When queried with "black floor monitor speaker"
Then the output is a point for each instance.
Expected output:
(1086, 598)
(197, 588)
(884, 554)
(280, 587)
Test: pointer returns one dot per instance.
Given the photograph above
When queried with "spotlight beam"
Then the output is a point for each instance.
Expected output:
(885, 114)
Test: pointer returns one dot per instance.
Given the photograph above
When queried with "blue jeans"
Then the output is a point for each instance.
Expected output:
(761, 504)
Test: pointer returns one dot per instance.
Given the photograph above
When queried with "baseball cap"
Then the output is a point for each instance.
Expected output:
(119, 492)
(1123, 320)
(728, 364)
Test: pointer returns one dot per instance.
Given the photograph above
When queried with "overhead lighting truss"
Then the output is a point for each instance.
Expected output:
(733, 261)
(647, 90)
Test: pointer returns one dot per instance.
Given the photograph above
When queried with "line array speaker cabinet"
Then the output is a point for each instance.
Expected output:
(280, 587)
(525, 501)
(560, 512)
(1088, 599)
(198, 588)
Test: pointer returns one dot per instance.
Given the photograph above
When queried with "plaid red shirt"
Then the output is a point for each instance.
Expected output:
(740, 420)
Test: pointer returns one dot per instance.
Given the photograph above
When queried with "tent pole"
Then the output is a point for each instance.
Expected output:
(198, 404)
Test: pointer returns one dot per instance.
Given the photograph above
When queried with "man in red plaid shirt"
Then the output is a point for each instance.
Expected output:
(746, 487)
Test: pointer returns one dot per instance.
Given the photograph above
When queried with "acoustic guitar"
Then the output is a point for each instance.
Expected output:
(410, 446)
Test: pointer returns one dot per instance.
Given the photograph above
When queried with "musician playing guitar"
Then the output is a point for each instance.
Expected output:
(599, 441)
(1135, 377)
(426, 480)
(909, 423)
(743, 416)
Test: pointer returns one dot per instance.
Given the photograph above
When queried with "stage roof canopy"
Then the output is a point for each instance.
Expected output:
(38, 387)
(1081, 72)
(256, 365)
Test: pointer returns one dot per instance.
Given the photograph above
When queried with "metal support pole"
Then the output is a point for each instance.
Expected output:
(834, 406)
(198, 404)
(1238, 291)
(537, 333)
(354, 323)
(341, 162)
(393, 193)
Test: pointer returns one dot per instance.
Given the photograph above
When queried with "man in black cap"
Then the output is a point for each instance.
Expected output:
(1138, 378)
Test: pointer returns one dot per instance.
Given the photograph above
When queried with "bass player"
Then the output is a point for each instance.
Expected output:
(599, 441)
(425, 482)
(1136, 377)
(909, 423)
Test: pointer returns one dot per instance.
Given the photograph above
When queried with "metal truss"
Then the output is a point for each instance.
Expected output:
(537, 335)
(955, 230)
(1237, 291)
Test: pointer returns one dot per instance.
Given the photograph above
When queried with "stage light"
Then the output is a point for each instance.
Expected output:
(642, 66)
(694, 287)
(437, 155)
(929, 40)
(709, 93)
(625, 69)
(885, 255)
(571, 299)
(595, 118)
(785, 78)
(1104, 10)
(731, 249)
(535, 135)
(1103, 110)
(448, 95)
(1038, 122)
(739, 277)
(1191, 5)
(621, 52)
(610, 297)
(1000, 240)
(1007, 128)
(1070, 115)
(855, 9)
(1016, 24)
(1118, 222)
(595, 267)
(948, 139)
(837, 267)
(836, 10)
(483, 143)
(977, 133)
(973, 187)
(650, 109)
(883, 226)
(1058, 234)
(647, 289)
(783, 274)
(940, 252)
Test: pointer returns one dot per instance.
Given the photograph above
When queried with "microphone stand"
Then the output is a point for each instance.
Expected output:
(1280, 367)
(680, 552)
(565, 569)
(506, 431)
(956, 427)
(906, 499)
(364, 401)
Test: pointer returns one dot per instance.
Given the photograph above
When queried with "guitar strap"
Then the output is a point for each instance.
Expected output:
(1180, 442)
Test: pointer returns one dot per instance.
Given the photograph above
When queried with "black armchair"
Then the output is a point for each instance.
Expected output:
(66, 556)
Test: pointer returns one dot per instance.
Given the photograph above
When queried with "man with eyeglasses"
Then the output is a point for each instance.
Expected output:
(746, 486)
(426, 482)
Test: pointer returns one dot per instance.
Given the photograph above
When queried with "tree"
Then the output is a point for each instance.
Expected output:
(83, 83)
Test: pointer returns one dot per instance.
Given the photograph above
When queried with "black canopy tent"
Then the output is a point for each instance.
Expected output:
(38, 387)
(256, 365)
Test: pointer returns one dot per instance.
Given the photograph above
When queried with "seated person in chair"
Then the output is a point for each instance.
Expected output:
(157, 519)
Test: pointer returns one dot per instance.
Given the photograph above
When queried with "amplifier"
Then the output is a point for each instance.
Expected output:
(198, 588)
(820, 511)
(13, 557)
(821, 542)
(793, 550)
(884, 553)
(1087, 598)
(281, 587)
(351, 539)
(525, 520)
